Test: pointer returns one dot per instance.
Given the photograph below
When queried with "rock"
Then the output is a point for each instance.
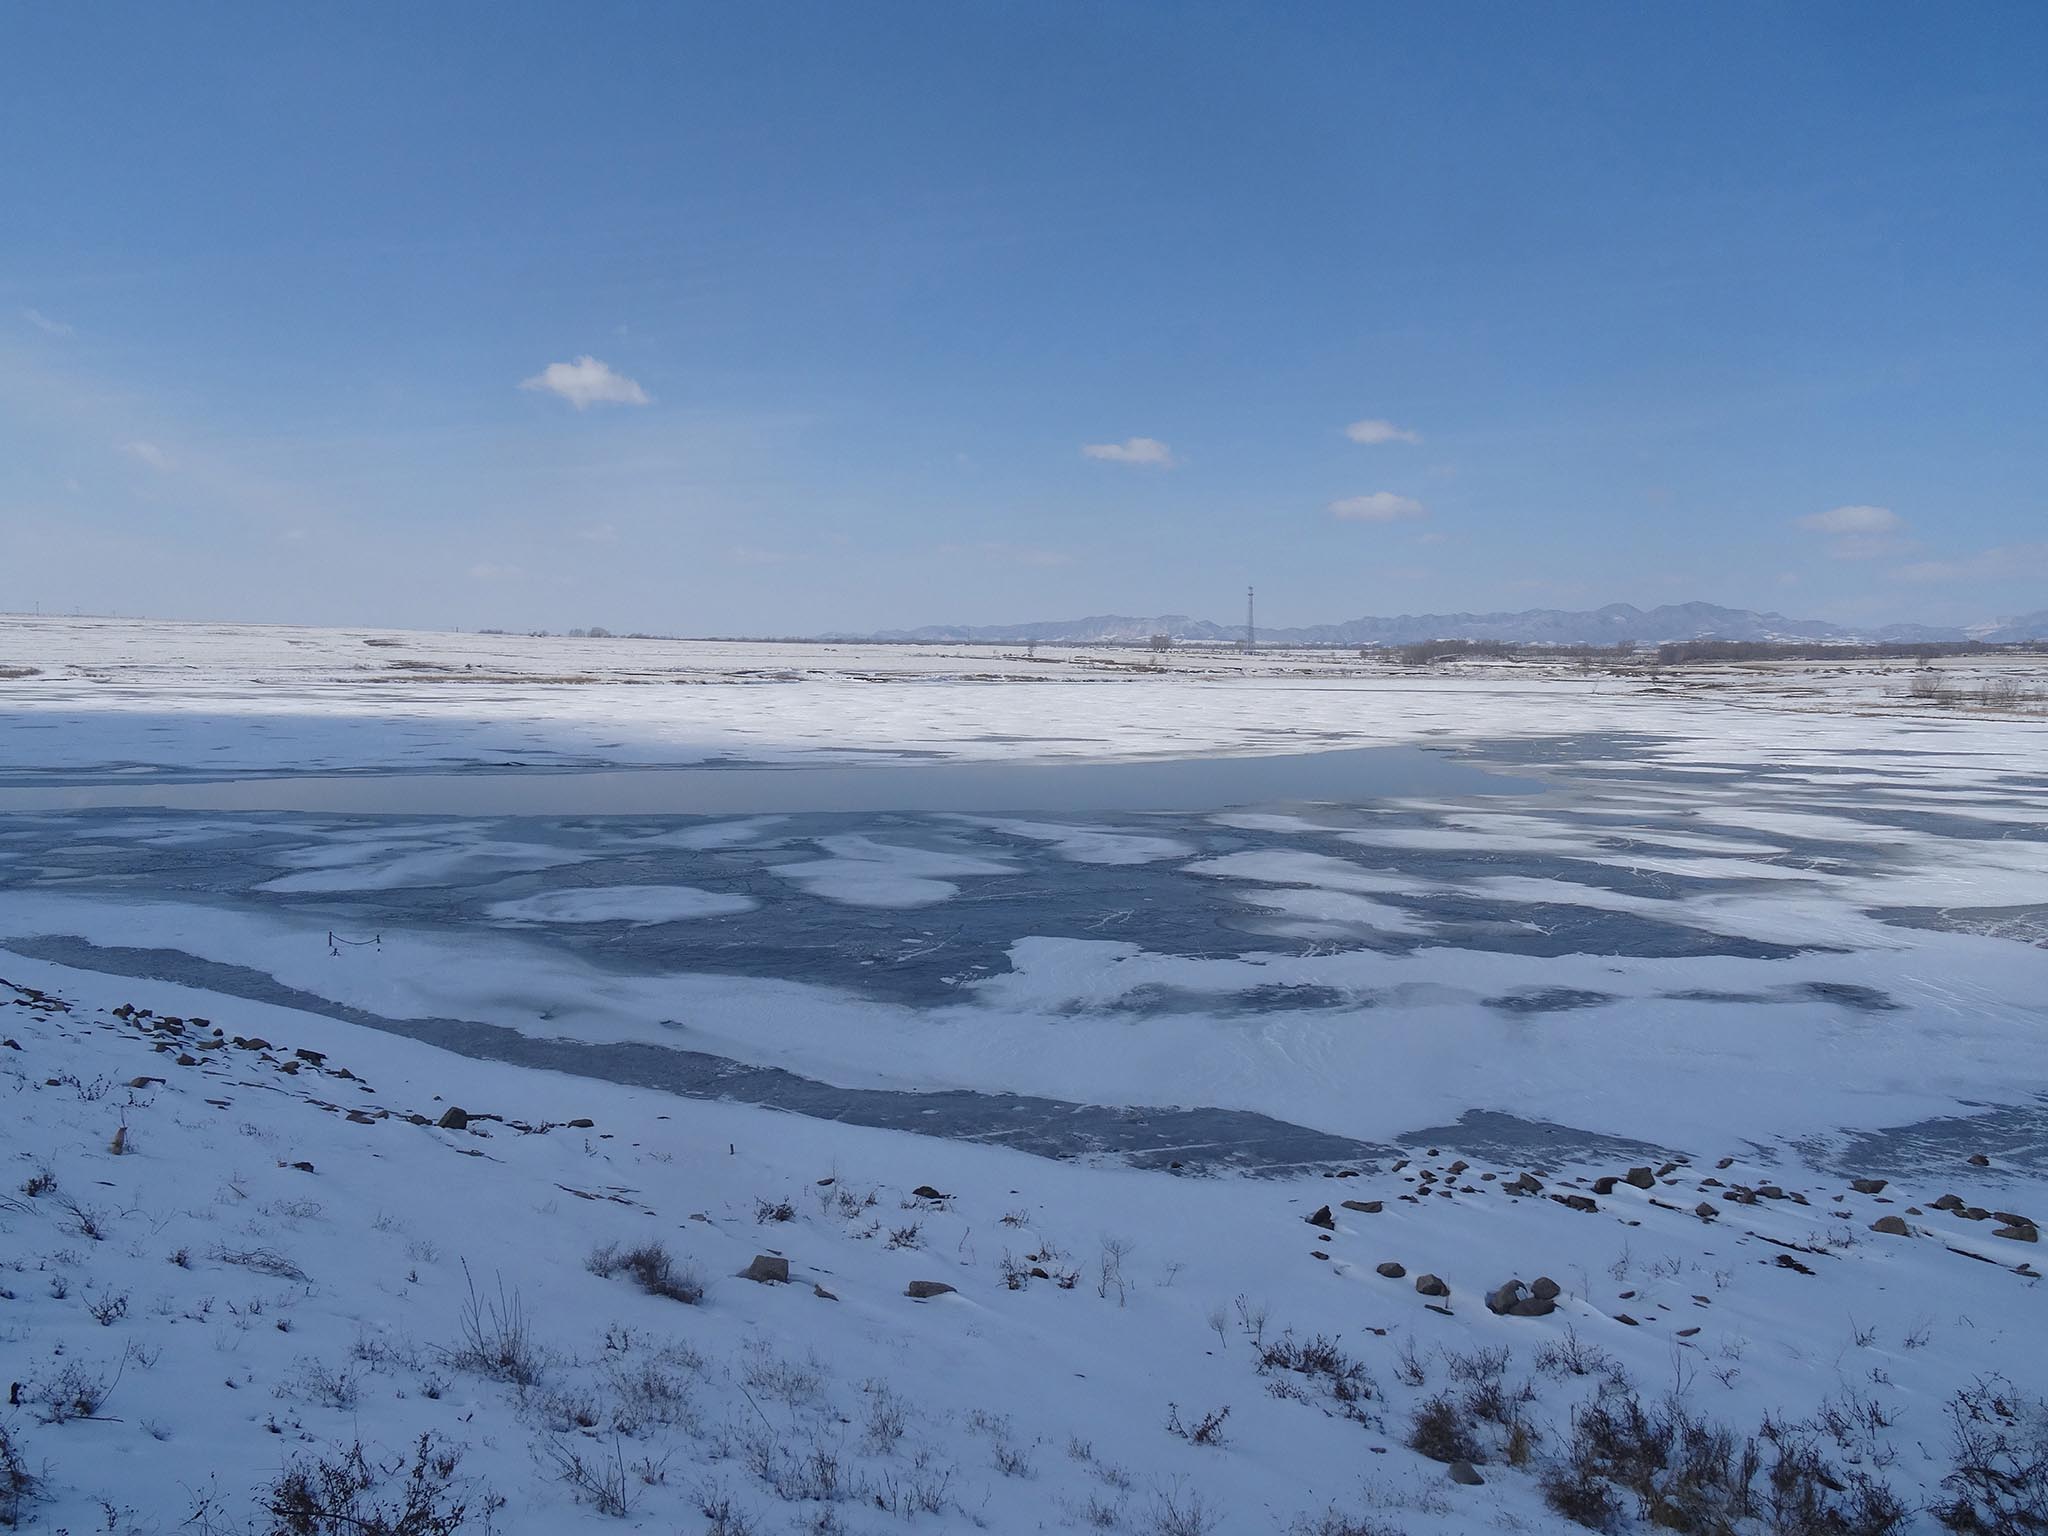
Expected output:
(1467, 1474)
(582, 1123)
(1706, 1211)
(311, 1058)
(768, 1269)
(143, 1082)
(1770, 1192)
(1525, 1184)
(183, 1061)
(1532, 1306)
(1430, 1285)
(1642, 1178)
(924, 1290)
(1892, 1226)
(821, 1293)
(1393, 1271)
(1604, 1185)
(1979, 1160)
(453, 1119)
(1949, 1203)
(1725, 1163)
(1786, 1261)
(1668, 1169)
(926, 1192)
(2019, 1232)
(1369, 1207)
(1627, 1321)
(1577, 1202)
(1502, 1301)
(1543, 1288)
(1323, 1218)
(1867, 1186)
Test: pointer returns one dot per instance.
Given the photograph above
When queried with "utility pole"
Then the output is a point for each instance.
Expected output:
(1251, 633)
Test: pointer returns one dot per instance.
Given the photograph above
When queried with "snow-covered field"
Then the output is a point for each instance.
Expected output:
(1765, 932)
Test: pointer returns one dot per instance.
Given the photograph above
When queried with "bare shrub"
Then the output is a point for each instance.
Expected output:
(1999, 1442)
(1441, 1431)
(653, 1268)
(1323, 1361)
(19, 1487)
(1689, 1474)
(497, 1341)
(1334, 1522)
(84, 1220)
(602, 1482)
(349, 1495)
(265, 1261)
(1179, 1512)
(766, 1211)
(1207, 1430)
(314, 1381)
(887, 1418)
(76, 1391)
(1573, 1356)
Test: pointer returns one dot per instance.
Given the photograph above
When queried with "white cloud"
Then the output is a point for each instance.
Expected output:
(148, 453)
(1132, 450)
(45, 324)
(1853, 520)
(587, 382)
(1379, 507)
(1374, 430)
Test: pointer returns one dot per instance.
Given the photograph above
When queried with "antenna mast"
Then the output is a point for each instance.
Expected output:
(1251, 633)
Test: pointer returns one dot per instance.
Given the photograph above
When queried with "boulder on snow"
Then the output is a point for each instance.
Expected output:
(1368, 1207)
(924, 1290)
(1430, 1285)
(1867, 1186)
(1323, 1218)
(1467, 1474)
(1642, 1178)
(768, 1269)
(453, 1119)
(1892, 1226)
(1392, 1270)
(1543, 1288)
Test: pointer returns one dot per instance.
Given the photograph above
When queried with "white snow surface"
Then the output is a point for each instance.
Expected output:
(276, 1257)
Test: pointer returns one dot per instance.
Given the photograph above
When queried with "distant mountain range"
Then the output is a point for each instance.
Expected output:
(1531, 626)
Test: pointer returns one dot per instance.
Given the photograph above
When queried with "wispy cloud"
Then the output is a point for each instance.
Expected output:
(999, 553)
(1379, 507)
(2006, 562)
(147, 453)
(1859, 532)
(1132, 450)
(1853, 520)
(46, 325)
(587, 382)
(1377, 429)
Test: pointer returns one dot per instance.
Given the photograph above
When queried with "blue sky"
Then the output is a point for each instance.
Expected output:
(1737, 302)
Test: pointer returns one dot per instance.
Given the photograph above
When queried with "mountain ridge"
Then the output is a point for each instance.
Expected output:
(1605, 625)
